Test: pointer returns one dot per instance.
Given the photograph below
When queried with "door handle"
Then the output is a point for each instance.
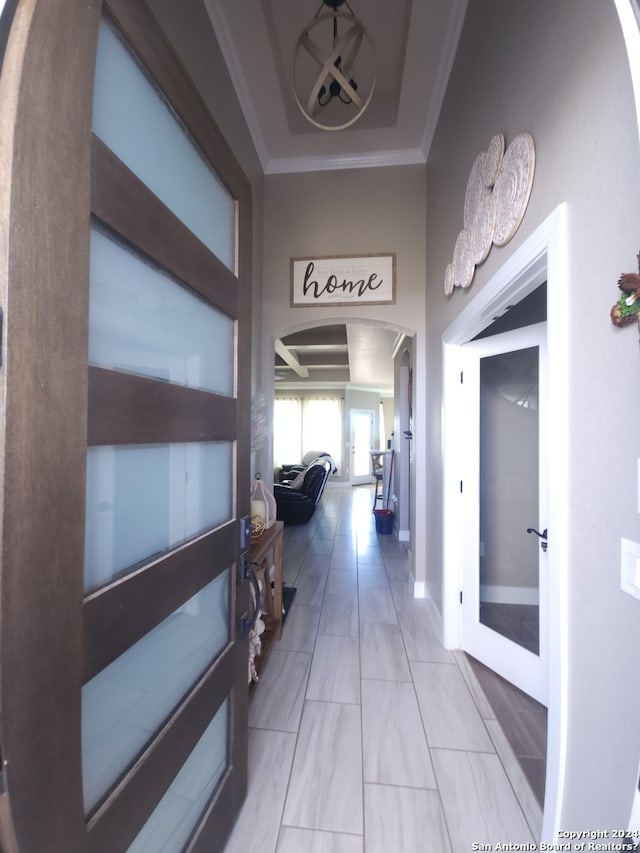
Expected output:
(543, 537)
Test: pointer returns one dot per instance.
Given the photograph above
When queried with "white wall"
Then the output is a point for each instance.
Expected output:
(559, 71)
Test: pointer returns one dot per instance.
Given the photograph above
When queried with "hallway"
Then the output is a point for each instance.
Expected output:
(365, 735)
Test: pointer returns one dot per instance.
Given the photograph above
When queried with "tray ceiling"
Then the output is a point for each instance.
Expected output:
(415, 42)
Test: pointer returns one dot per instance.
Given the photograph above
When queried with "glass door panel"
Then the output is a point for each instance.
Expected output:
(124, 705)
(361, 446)
(504, 493)
(143, 500)
(134, 120)
(143, 322)
(179, 811)
(509, 600)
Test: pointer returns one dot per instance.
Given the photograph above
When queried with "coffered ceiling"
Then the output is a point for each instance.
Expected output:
(355, 354)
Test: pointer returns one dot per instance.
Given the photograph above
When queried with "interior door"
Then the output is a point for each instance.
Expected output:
(361, 445)
(504, 590)
(125, 442)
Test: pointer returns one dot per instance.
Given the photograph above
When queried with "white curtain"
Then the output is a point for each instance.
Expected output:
(301, 424)
(287, 431)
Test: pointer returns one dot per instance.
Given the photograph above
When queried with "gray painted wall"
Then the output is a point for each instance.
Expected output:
(558, 69)
(365, 211)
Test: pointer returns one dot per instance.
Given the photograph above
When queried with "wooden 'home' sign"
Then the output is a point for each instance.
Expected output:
(342, 280)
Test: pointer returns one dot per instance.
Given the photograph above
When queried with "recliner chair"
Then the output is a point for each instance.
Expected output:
(290, 472)
(296, 505)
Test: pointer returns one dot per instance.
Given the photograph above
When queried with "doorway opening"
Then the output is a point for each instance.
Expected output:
(362, 444)
(541, 258)
(369, 366)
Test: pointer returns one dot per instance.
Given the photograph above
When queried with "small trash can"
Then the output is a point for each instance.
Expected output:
(384, 520)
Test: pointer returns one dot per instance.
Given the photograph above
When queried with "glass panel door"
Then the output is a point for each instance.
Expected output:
(509, 462)
(504, 604)
(163, 578)
(361, 446)
(125, 457)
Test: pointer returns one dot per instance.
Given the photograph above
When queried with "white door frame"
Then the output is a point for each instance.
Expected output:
(542, 256)
(629, 14)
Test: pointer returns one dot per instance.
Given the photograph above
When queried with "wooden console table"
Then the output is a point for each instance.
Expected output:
(266, 551)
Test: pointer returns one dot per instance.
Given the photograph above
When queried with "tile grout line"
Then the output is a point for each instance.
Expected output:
(364, 821)
(282, 825)
(508, 775)
(424, 730)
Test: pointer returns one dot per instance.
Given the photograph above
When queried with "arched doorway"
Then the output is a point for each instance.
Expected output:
(369, 365)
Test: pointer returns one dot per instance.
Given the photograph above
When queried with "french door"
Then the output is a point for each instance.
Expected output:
(504, 524)
(124, 443)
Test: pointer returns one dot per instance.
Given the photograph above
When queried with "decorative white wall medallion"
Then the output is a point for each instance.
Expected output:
(462, 261)
(495, 202)
(448, 279)
(483, 226)
(495, 153)
(475, 188)
(513, 187)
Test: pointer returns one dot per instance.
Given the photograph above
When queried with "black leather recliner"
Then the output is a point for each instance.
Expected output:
(290, 472)
(297, 505)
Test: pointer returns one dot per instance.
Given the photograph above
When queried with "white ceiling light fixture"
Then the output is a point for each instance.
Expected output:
(325, 83)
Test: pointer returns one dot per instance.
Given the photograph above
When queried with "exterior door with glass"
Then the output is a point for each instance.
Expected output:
(361, 445)
(125, 442)
(504, 589)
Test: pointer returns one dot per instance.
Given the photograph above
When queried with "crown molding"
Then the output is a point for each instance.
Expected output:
(399, 157)
(238, 78)
(444, 72)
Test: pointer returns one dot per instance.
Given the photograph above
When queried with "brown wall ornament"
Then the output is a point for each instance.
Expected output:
(627, 308)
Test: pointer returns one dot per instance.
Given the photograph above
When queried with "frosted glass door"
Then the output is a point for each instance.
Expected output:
(126, 394)
(163, 696)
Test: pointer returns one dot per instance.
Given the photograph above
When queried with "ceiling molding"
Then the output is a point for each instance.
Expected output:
(444, 72)
(238, 78)
(398, 157)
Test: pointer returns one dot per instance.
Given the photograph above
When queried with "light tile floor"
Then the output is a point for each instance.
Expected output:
(366, 735)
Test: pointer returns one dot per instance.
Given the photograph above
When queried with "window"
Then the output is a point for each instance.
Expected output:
(301, 424)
